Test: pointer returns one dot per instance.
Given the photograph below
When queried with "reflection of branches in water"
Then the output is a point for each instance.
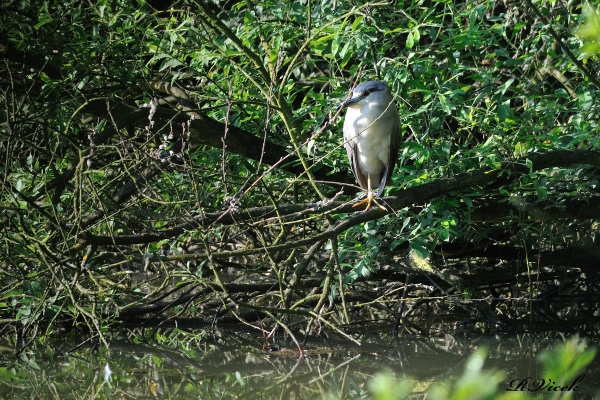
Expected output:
(224, 359)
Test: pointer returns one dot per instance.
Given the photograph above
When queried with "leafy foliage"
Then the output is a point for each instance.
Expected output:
(185, 161)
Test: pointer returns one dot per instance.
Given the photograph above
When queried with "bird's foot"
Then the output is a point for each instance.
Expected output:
(370, 200)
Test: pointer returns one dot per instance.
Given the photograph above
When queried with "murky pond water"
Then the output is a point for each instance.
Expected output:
(233, 364)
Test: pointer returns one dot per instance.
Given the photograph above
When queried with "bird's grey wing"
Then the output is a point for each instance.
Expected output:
(352, 151)
(386, 178)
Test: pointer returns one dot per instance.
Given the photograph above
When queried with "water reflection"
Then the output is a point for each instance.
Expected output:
(232, 364)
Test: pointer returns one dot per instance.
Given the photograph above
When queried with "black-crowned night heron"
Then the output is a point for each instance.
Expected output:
(371, 137)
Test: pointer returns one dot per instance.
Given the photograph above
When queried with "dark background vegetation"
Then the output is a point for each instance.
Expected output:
(182, 163)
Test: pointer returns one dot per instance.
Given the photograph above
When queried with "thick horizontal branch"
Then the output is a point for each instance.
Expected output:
(580, 257)
(404, 198)
(494, 210)
(208, 288)
(206, 131)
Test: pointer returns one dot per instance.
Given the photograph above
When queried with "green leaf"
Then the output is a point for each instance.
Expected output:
(506, 85)
(541, 190)
(505, 112)
(446, 106)
(357, 22)
(43, 20)
(417, 247)
(416, 34)
(590, 31)
(410, 41)
(157, 361)
(335, 45)
(586, 99)
(172, 63)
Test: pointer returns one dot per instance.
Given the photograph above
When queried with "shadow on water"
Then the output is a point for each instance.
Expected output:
(234, 364)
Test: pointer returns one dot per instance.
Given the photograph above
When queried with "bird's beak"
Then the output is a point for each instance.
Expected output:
(349, 102)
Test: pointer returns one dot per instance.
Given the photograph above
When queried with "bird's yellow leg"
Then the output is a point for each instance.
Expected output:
(370, 198)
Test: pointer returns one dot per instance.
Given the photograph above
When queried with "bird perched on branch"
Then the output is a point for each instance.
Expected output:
(371, 137)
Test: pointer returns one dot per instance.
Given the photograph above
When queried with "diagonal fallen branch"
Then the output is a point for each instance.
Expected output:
(404, 198)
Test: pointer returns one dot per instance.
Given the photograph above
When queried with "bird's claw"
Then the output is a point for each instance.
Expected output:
(370, 200)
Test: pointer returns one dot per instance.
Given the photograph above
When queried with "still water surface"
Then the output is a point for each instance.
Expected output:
(231, 364)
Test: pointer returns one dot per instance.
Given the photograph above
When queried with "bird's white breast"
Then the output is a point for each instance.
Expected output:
(370, 135)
